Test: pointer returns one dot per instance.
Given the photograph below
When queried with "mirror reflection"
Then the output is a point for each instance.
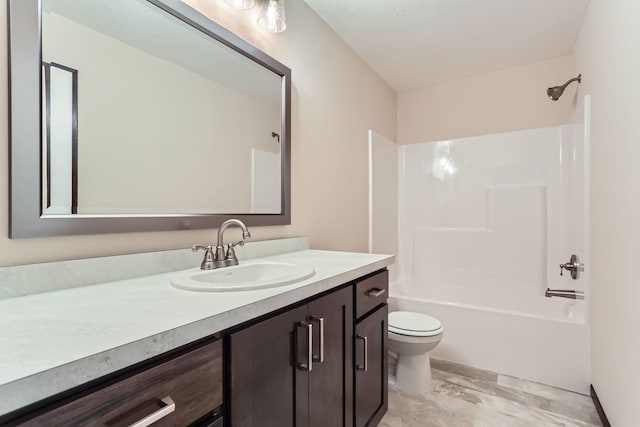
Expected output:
(144, 114)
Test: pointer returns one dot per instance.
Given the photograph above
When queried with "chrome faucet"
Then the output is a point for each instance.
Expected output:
(220, 258)
(229, 258)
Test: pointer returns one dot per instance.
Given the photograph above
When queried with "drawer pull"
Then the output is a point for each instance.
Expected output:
(365, 340)
(169, 407)
(320, 356)
(375, 292)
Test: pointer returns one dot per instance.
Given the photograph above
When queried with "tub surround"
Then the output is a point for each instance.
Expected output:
(494, 201)
(485, 222)
(57, 340)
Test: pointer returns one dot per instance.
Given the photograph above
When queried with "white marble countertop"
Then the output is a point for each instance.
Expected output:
(53, 341)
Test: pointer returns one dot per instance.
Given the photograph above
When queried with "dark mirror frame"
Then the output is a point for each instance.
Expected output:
(25, 122)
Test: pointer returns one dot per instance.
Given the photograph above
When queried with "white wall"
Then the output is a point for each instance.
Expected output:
(501, 101)
(606, 53)
(336, 99)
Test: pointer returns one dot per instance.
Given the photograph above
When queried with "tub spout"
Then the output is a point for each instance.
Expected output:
(564, 293)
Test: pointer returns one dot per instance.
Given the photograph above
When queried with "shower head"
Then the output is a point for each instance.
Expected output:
(554, 93)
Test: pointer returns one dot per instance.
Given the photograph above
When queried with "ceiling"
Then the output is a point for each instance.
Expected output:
(416, 43)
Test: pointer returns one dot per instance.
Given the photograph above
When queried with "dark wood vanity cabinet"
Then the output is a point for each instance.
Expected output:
(322, 364)
(370, 350)
(294, 369)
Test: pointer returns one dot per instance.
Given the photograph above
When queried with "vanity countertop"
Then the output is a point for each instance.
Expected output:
(53, 341)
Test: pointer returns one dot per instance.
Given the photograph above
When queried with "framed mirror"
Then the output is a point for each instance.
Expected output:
(141, 115)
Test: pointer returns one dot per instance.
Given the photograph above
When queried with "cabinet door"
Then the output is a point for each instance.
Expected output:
(267, 386)
(331, 377)
(370, 348)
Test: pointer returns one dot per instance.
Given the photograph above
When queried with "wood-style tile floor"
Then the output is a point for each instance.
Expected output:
(469, 397)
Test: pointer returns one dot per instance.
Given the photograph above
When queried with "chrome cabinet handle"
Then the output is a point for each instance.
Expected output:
(309, 362)
(364, 367)
(169, 407)
(320, 356)
(375, 292)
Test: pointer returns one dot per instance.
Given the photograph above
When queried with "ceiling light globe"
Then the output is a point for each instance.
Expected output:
(272, 17)
(241, 4)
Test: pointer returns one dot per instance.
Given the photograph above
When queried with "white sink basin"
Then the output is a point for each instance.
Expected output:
(242, 277)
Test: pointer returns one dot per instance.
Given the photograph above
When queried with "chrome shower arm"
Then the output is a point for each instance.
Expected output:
(575, 79)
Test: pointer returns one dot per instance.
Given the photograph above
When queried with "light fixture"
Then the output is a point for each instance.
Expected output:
(272, 17)
(241, 4)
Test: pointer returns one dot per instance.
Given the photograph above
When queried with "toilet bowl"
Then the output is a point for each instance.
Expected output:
(412, 336)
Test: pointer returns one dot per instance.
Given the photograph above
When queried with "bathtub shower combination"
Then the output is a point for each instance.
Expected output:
(483, 225)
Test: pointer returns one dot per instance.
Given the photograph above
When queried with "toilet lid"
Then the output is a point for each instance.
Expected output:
(413, 324)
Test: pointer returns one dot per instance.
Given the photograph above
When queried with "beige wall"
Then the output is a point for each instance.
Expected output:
(502, 101)
(606, 53)
(336, 99)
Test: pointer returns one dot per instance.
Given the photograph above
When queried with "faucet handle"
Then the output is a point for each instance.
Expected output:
(206, 248)
(231, 258)
(208, 261)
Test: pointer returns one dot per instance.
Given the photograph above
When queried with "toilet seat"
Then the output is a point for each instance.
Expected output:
(412, 324)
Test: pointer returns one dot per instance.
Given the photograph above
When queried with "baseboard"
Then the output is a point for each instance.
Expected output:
(601, 414)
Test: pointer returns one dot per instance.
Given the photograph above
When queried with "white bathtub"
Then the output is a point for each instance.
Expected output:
(540, 339)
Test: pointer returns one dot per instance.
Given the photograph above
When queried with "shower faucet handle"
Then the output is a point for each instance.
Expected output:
(566, 266)
(573, 266)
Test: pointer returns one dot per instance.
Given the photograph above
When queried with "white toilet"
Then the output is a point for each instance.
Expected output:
(412, 336)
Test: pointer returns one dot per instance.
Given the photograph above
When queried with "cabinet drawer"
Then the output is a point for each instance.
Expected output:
(192, 381)
(371, 292)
